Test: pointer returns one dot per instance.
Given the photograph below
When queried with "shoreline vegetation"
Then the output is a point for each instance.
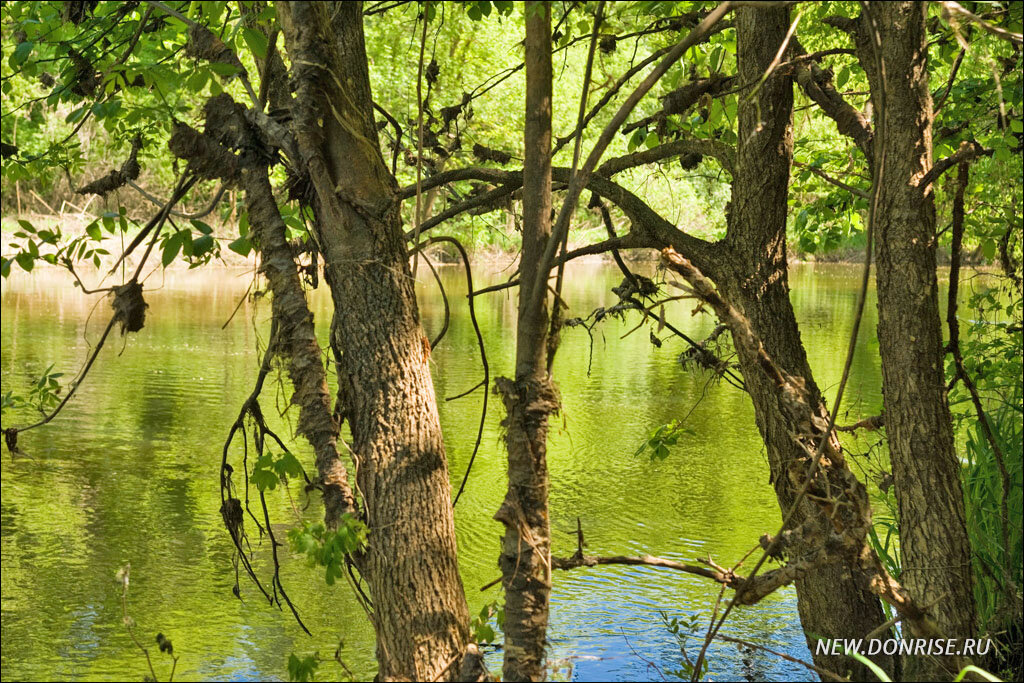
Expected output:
(73, 224)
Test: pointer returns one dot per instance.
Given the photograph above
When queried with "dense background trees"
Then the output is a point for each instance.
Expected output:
(337, 140)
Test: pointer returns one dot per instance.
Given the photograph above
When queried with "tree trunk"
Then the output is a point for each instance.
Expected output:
(526, 546)
(934, 546)
(753, 276)
(385, 390)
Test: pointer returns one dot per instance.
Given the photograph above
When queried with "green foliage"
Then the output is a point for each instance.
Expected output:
(480, 625)
(683, 629)
(662, 438)
(50, 246)
(327, 549)
(872, 667)
(302, 669)
(43, 395)
(269, 470)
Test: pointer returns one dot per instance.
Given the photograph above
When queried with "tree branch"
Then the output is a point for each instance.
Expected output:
(581, 179)
(715, 573)
(969, 151)
(723, 153)
(817, 85)
(950, 8)
(838, 183)
(649, 228)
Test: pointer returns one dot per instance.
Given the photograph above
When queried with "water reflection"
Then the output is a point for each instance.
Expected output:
(128, 473)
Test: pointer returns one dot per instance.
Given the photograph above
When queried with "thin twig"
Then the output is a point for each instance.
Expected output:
(485, 382)
(419, 144)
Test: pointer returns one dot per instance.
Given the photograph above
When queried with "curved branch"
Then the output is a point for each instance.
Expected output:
(611, 92)
(817, 85)
(968, 151)
(723, 153)
(650, 229)
(480, 342)
(580, 180)
(829, 179)
(723, 576)
(998, 32)
(174, 212)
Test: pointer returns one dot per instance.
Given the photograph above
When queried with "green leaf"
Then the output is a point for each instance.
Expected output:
(21, 53)
(93, 230)
(256, 41)
(717, 58)
(302, 669)
(842, 77)
(635, 140)
(202, 245)
(26, 261)
(241, 246)
(264, 479)
(222, 69)
(970, 668)
(198, 79)
(171, 248)
(988, 247)
(288, 466)
(875, 669)
(201, 226)
(77, 114)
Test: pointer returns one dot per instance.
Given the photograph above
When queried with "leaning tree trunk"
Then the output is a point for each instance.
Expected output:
(385, 390)
(526, 546)
(753, 276)
(934, 546)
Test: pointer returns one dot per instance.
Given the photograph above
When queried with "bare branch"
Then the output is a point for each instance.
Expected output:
(838, 183)
(723, 576)
(723, 153)
(968, 151)
(950, 8)
(581, 179)
(817, 84)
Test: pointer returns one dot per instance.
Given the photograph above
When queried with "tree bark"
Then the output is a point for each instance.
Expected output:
(525, 559)
(753, 275)
(934, 546)
(385, 390)
(297, 342)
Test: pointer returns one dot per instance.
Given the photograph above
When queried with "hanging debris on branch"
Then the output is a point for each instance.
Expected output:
(118, 177)
(129, 306)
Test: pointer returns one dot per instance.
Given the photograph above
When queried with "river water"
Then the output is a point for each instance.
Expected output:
(128, 473)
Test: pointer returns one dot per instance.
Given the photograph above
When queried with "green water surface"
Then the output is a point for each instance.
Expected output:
(129, 473)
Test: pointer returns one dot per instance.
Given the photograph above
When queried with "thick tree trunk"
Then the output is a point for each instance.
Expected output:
(934, 546)
(526, 546)
(753, 276)
(385, 389)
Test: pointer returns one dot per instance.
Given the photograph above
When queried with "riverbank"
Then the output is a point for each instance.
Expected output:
(73, 224)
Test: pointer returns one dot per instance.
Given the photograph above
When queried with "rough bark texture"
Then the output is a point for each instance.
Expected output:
(420, 614)
(526, 546)
(297, 342)
(753, 277)
(228, 129)
(934, 546)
